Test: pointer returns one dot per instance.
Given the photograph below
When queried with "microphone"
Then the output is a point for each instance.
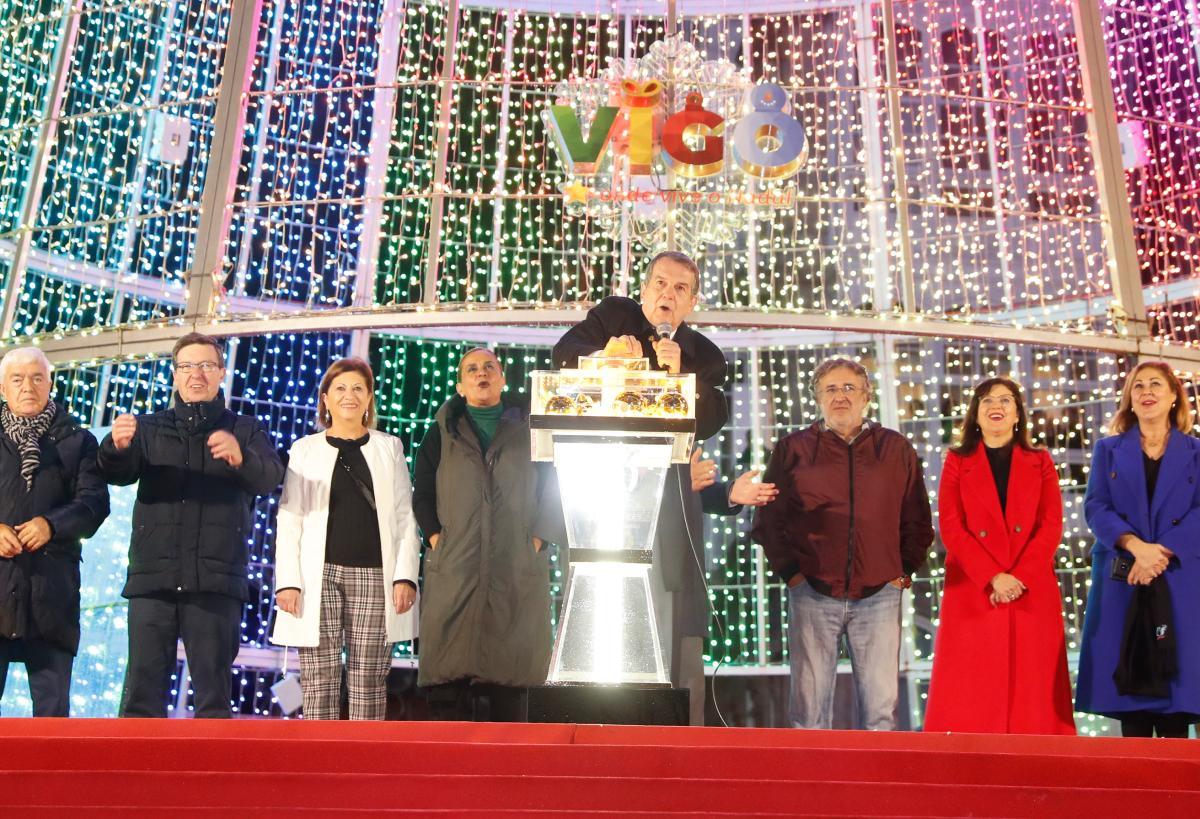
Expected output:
(664, 330)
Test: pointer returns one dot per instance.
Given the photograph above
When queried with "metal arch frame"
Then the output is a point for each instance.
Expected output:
(56, 93)
(154, 339)
(473, 321)
(220, 182)
(1117, 224)
(656, 8)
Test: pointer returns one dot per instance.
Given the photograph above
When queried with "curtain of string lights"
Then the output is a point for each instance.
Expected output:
(319, 178)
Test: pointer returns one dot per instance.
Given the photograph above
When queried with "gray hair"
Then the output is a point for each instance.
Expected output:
(829, 364)
(24, 355)
(679, 258)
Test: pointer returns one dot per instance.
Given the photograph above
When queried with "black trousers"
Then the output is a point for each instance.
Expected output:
(467, 701)
(49, 669)
(1148, 724)
(211, 627)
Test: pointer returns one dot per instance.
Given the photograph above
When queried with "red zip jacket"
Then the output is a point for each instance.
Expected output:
(849, 517)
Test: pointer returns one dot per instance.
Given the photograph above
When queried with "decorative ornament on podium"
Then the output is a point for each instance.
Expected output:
(613, 428)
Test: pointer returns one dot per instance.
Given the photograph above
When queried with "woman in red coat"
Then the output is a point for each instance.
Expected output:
(1000, 660)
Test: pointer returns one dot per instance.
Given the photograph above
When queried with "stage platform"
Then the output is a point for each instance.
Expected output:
(291, 767)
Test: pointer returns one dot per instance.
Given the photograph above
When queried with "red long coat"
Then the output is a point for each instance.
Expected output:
(1000, 669)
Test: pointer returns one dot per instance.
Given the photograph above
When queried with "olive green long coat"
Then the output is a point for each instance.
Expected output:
(485, 607)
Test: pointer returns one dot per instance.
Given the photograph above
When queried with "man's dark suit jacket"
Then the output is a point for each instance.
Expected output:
(681, 512)
(619, 316)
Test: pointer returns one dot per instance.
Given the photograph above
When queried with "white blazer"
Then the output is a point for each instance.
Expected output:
(301, 530)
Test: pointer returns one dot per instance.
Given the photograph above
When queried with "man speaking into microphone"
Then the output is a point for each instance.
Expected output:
(655, 329)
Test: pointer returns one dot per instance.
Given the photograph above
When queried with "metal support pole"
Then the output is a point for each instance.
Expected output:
(876, 206)
(1129, 310)
(758, 440)
(672, 28)
(1193, 27)
(437, 203)
(161, 59)
(383, 118)
(888, 387)
(225, 154)
(758, 445)
(179, 711)
(270, 72)
(47, 133)
(998, 189)
(625, 262)
(908, 291)
(496, 273)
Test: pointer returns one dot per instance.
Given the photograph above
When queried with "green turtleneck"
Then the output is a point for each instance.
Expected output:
(485, 420)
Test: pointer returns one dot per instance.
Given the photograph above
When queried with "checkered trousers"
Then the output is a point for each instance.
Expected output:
(353, 615)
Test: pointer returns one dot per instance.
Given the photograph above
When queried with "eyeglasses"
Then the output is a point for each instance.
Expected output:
(188, 367)
(844, 389)
(1004, 401)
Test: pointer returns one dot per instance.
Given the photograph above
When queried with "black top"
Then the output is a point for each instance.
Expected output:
(1000, 460)
(352, 536)
(1151, 466)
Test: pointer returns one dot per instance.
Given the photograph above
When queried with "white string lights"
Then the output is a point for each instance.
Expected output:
(1005, 224)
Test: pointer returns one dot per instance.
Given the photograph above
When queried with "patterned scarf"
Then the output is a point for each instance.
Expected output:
(26, 433)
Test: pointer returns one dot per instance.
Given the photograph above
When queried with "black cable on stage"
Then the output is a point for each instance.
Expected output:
(707, 598)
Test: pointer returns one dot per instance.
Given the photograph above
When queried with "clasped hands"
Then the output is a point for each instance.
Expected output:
(1006, 588)
(26, 537)
(1149, 559)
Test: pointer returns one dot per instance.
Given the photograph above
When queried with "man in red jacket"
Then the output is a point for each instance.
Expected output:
(850, 525)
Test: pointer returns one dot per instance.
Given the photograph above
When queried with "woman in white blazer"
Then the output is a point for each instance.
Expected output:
(346, 550)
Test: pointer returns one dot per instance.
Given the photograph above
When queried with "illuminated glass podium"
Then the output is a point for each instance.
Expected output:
(612, 428)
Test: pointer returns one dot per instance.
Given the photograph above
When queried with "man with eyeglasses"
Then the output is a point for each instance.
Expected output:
(199, 467)
(849, 528)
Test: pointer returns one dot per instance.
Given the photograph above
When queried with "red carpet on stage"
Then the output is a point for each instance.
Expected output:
(193, 767)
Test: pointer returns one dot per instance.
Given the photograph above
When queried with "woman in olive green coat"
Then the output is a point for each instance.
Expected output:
(485, 617)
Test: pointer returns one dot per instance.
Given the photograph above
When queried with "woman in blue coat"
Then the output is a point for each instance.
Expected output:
(1143, 504)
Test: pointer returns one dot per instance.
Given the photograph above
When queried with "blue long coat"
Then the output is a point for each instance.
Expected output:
(1116, 503)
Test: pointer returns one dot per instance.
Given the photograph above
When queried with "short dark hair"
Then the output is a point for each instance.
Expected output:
(341, 367)
(199, 338)
(680, 258)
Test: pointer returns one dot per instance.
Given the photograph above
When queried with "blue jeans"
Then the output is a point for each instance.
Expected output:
(872, 629)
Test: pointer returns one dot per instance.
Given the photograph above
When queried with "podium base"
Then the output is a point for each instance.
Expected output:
(609, 704)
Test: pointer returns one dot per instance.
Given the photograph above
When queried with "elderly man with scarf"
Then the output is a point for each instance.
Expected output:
(198, 467)
(51, 498)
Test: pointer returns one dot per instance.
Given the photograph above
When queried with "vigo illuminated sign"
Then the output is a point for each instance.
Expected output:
(767, 142)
